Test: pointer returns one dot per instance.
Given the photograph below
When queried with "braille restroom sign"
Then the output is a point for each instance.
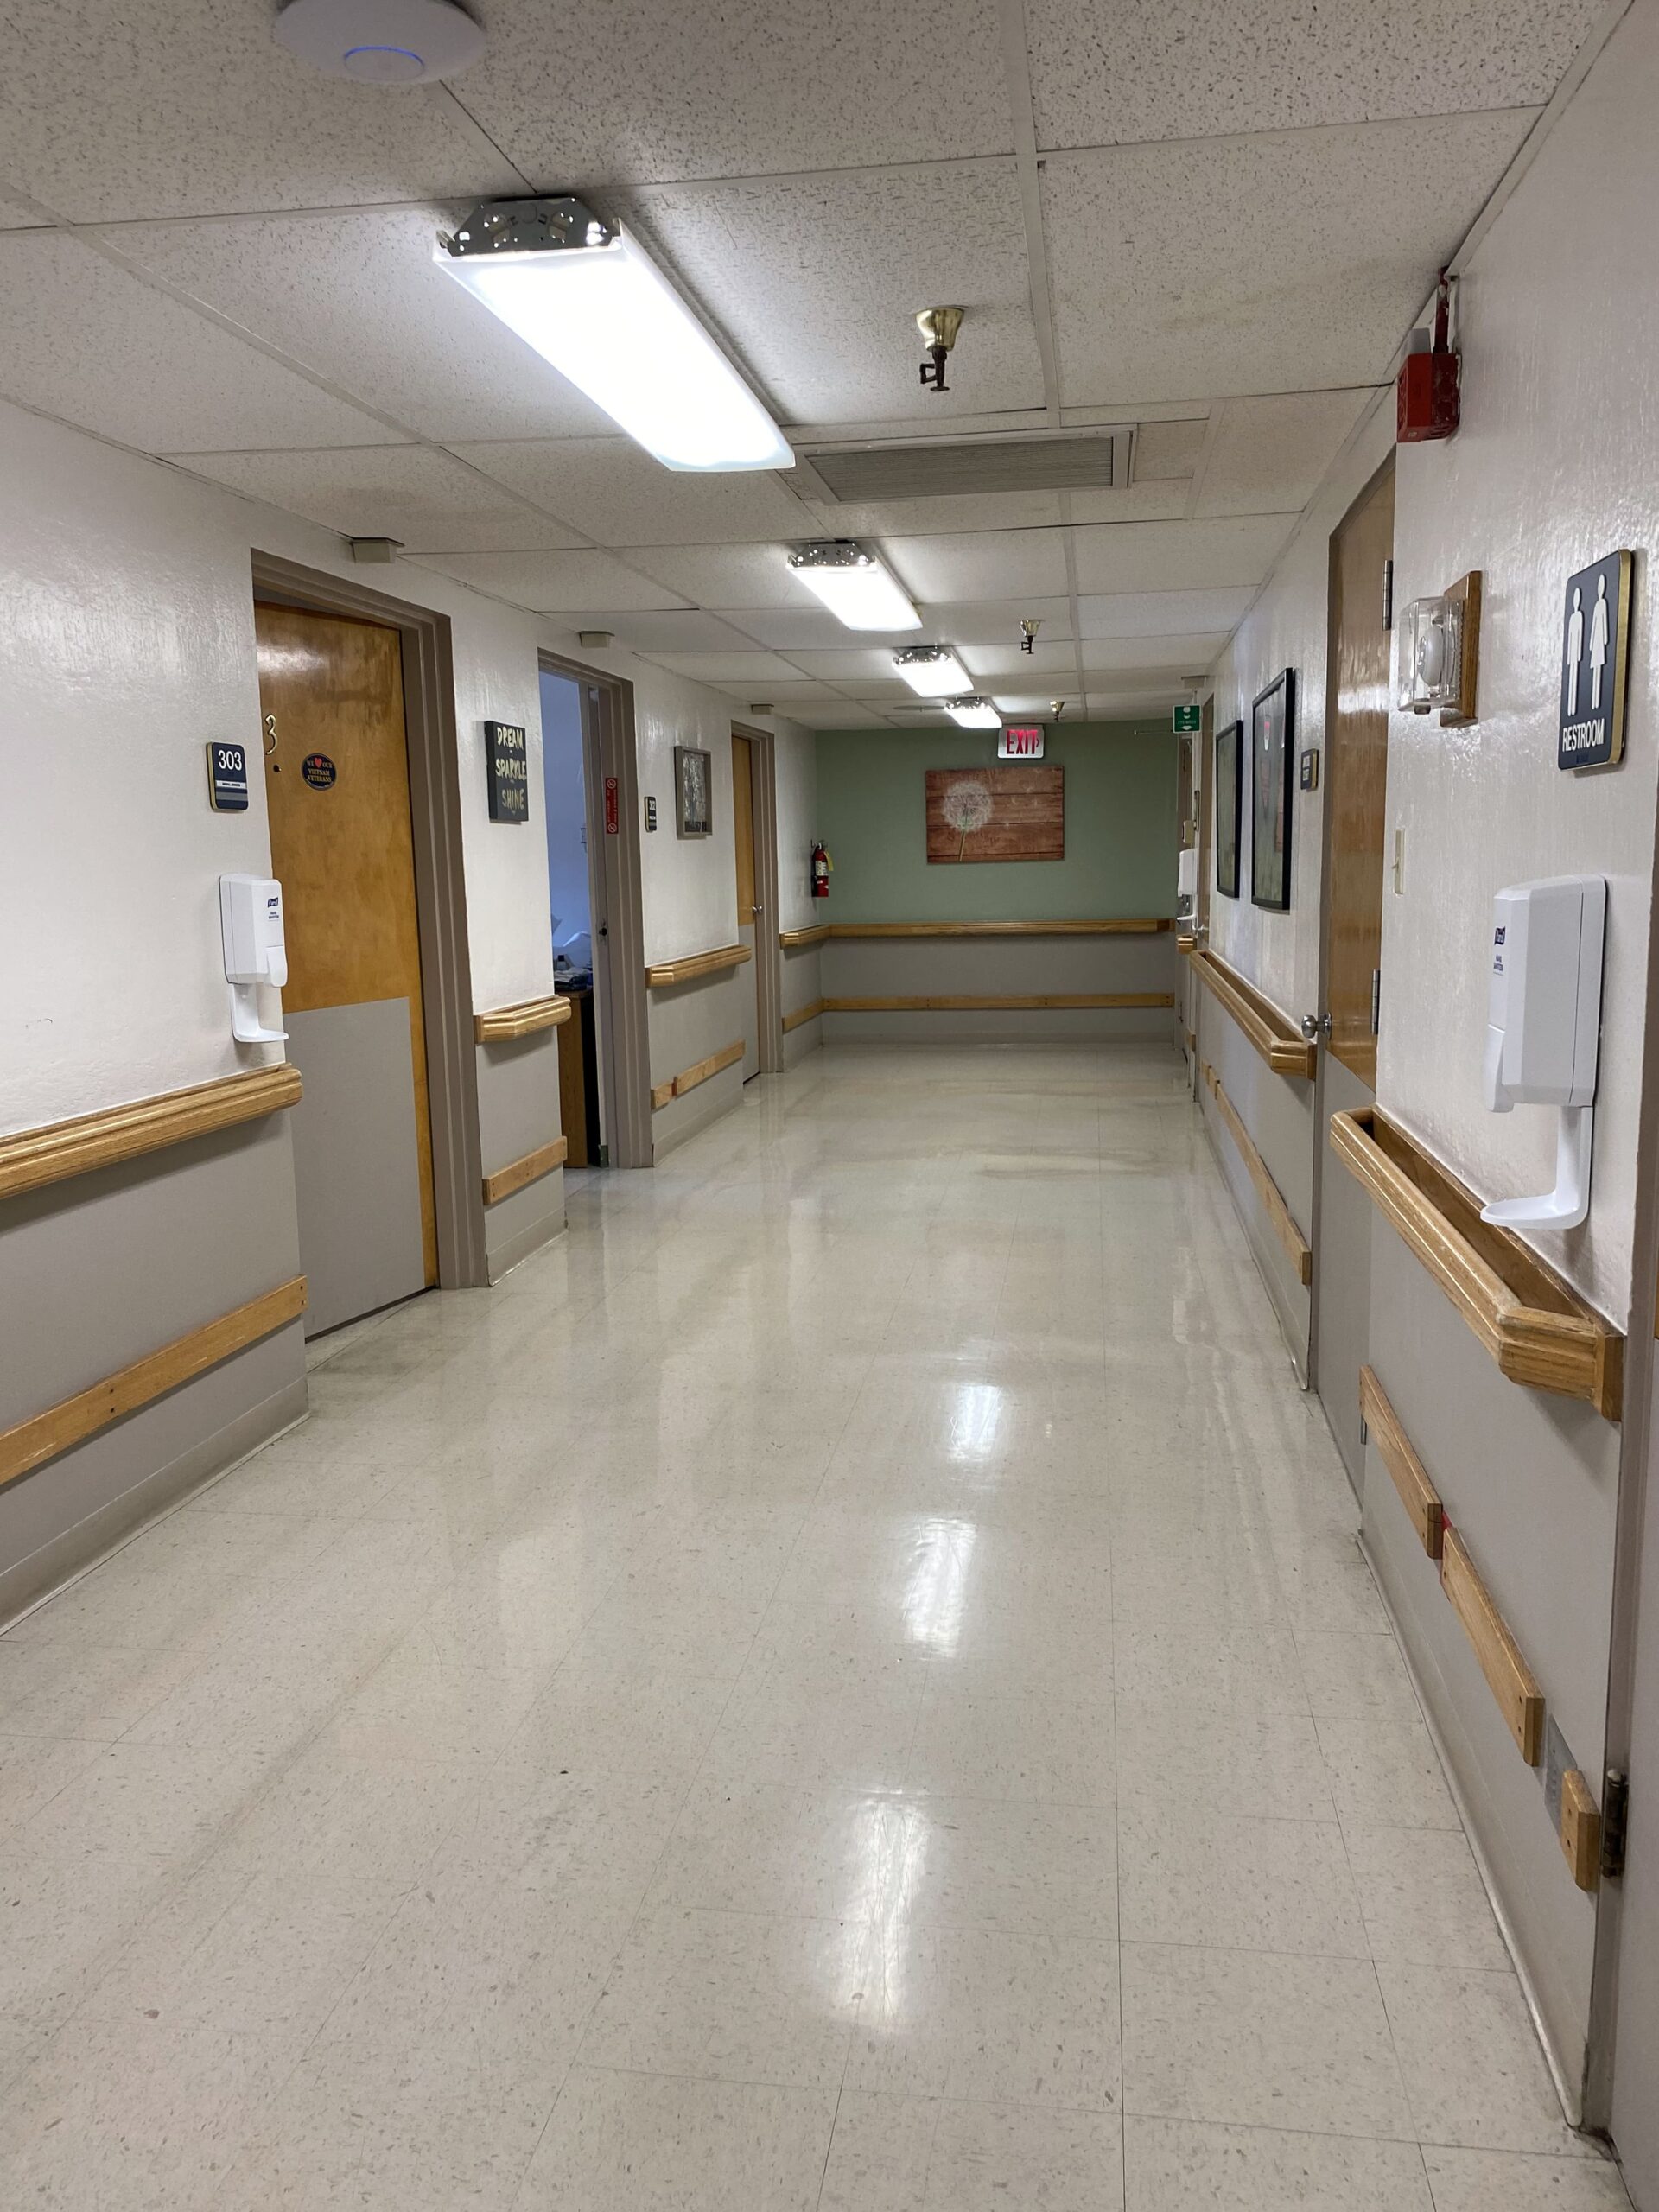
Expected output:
(509, 761)
(1595, 638)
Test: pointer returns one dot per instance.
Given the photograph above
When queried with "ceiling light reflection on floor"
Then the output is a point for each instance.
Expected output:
(938, 1585)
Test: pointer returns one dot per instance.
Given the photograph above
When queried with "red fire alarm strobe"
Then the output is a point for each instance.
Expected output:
(1428, 395)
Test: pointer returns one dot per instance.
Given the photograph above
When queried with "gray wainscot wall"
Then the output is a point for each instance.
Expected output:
(1000, 967)
(518, 1113)
(689, 1022)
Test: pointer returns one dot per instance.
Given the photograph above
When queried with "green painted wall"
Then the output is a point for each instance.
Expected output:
(1120, 827)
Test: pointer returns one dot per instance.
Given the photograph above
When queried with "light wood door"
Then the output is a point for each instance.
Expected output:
(1355, 768)
(748, 912)
(331, 690)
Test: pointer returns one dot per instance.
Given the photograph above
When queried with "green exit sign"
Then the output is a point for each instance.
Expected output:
(1187, 720)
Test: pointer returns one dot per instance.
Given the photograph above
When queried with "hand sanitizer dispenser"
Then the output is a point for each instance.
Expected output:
(250, 916)
(1543, 1030)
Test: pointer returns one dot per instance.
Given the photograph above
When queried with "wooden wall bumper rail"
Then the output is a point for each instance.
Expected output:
(688, 1078)
(34, 1156)
(798, 1016)
(44, 1436)
(1509, 1679)
(503, 1023)
(797, 940)
(1127, 926)
(1285, 1051)
(1405, 1471)
(695, 964)
(519, 1173)
(1540, 1331)
(1294, 1245)
(980, 1002)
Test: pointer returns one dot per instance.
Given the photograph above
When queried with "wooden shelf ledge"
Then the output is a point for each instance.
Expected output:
(518, 1174)
(1284, 1048)
(696, 964)
(688, 1078)
(797, 940)
(1292, 1242)
(52, 1154)
(1136, 926)
(1539, 1330)
(503, 1023)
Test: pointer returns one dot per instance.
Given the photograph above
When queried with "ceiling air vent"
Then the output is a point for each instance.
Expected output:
(938, 468)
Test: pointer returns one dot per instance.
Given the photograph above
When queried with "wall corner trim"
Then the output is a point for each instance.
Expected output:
(60, 1149)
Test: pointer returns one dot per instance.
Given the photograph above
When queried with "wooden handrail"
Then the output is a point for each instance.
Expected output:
(688, 1078)
(44, 1436)
(697, 964)
(975, 1002)
(1138, 925)
(1293, 1244)
(518, 1174)
(1538, 1329)
(797, 940)
(1282, 1046)
(60, 1149)
(502, 1023)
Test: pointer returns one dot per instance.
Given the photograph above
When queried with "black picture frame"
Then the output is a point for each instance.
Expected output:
(1273, 763)
(694, 792)
(1229, 798)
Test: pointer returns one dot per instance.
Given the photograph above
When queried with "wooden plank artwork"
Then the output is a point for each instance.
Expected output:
(996, 814)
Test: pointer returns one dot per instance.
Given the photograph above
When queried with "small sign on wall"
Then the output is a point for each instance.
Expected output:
(1020, 742)
(228, 779)
(1595, 640)
(1188, 721)
(507, 753)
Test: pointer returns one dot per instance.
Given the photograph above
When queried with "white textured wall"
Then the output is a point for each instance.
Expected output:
(796, 769)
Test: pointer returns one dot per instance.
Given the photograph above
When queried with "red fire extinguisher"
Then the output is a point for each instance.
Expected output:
(822, 865)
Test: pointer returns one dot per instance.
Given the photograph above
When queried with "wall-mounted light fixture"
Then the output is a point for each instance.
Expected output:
(853, 584)
(582, 292)
(975, 712)
(932, 671)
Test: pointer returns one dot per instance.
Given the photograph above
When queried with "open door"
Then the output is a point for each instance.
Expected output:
(1355, 771)
(748, 903)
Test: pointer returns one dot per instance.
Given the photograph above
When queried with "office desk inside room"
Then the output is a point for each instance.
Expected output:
(579, 1080)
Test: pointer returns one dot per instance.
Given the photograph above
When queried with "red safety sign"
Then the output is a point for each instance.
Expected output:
(610, 807)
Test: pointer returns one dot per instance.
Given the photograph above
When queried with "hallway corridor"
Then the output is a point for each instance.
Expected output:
(847, 1682)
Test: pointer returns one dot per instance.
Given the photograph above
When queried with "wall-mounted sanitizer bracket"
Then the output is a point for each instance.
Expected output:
(1543, 1030)
(250, 918)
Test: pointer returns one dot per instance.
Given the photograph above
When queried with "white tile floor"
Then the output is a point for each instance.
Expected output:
(846, 1683)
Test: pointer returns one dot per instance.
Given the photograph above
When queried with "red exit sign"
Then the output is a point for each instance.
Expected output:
(1020, 742)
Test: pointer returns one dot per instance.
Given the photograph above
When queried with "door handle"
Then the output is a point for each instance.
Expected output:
(1315, 1026)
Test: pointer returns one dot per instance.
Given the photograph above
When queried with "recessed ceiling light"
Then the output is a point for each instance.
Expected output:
(934, 670)
(381, 41)
(853, 586)
(974, 713)
(583, 294)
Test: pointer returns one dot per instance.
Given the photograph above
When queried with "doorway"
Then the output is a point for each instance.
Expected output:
(342, 845)
(748, 908)
(566, 782)
(1356, 776)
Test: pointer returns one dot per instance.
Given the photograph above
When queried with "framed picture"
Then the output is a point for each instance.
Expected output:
(693, 792)
(1230, 788)
(996, 814)
(1273, 760)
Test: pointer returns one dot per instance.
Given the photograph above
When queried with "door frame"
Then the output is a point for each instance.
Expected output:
(768, 954)
(609, 748)
(432, 742)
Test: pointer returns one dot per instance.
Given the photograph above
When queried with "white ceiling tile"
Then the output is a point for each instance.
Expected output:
(1058, 654)
(849, 717)
(82, 340)
(1163, 613)
(1038, 706)
(1000, 563)
(1135, 706)
(615, 492)
(1165, 450)
(1270, 455)
(674, 630)
(815, 284)
(996, 622)
(1153, 502)
(111, 111)
(1106, 657)
(794, 629)
(594, 586)
(359, 299)
(1272, 264)
(1160, 556)
(794, 691)
(725, 576)
(1189, 69)
(920, 518)
(424, 499)
(738, 87)
(852, 665)
(727, 668)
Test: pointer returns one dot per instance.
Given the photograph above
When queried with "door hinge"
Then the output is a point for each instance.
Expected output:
(1377, 1000)
(1615, 1820)
(1388, 595)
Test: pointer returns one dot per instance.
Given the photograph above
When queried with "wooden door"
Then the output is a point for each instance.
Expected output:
(747, 910)
(331, 695)
(1356, 769)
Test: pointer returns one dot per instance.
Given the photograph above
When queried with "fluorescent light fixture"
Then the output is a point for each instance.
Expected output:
(973, 713)
(853, 586)
(583, 295)
(934, 670)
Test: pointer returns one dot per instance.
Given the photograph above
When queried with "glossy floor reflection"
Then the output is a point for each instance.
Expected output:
(847, 1682)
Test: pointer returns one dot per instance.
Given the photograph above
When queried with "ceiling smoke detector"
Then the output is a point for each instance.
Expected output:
(381, 41)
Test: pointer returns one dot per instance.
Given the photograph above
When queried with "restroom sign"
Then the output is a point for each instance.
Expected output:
(508, 753)
(1595, 638)
(1020, 742)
